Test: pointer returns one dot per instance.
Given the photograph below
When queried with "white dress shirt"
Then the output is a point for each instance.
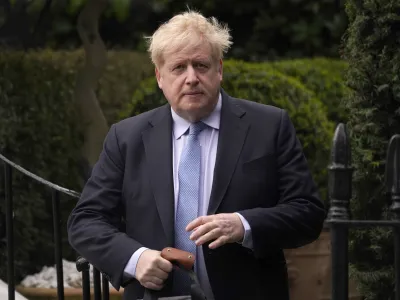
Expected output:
(208, 139)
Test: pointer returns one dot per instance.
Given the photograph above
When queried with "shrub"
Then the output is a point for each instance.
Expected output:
(263, 83)
(123, 73)
(325, 77)
(371, 47)
(272, 29)
(39, 131)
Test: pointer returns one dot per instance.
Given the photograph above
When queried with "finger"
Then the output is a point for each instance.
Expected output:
(160, 274)
(202, 230)
(209, 236)
(222, 240)
(158, 281)
(155, 280)
(157, 272)
(197, 222)
(152, 286)
(164, 265)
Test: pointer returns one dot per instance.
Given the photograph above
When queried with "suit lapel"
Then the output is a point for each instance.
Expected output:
(158, 147)
(232, 134)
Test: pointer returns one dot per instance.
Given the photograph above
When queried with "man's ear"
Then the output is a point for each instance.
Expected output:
(220, 69)
(159, 78)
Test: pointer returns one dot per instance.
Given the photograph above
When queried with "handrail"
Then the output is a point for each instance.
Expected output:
(56, 190)
(40, 179)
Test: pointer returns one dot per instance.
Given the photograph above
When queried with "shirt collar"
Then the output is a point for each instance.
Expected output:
(180, 125)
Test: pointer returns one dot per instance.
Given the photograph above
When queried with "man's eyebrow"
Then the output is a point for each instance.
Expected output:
(179, 60)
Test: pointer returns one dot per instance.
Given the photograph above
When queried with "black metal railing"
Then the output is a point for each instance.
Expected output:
(338, 220)
(340, 191)
(82, 265)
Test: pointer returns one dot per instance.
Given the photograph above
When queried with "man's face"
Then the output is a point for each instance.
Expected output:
(190, 80)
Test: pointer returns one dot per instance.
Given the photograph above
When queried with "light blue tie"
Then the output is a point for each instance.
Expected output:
(188, 198)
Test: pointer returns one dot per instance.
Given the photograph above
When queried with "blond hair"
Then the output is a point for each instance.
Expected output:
(188, 29)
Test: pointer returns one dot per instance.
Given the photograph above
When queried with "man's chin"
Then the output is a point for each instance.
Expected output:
(194, 113)
(191, 103)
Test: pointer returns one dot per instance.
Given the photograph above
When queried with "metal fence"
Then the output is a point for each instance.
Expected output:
(340, 183)
(100, 291)
(340, 187)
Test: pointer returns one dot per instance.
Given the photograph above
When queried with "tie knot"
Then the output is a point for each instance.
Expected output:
(196, 128)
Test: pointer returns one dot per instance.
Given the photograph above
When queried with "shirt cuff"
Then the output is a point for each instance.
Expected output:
(247, 239)
(130, 268)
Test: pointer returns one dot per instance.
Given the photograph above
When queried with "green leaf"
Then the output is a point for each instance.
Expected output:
(382, 88)
(74, 6)
(36, 7)
(121, 9)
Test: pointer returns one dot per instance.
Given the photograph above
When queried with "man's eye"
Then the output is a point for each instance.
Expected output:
(201, 66)
(179, 67)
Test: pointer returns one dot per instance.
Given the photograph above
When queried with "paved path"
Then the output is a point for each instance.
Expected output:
(4, 292)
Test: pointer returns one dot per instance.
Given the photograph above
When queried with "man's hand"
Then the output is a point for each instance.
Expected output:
(152, 270)
(222, 228)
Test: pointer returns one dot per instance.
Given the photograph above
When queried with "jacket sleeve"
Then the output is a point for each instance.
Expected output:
(93, 225)
(299, 215)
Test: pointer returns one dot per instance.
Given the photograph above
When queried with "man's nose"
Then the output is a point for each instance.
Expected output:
(191, 77)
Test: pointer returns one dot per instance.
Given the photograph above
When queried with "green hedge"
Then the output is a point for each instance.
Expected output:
(325, 77)
(124, 71)
(264, 83)
(41, 131)
(371, 47)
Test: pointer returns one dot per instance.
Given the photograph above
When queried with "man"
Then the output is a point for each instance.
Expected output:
(207, 173)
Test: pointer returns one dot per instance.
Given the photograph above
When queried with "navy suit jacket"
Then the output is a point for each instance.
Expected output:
(260, 172)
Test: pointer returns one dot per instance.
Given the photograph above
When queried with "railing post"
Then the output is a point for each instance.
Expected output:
(10, 230)
(82, 265)
(57, 243)
(96, 284)
(340, 181)
(106, 290)
(392, 179)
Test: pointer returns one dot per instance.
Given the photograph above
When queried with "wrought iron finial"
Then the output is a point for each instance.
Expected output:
(392, 173)
(82, 264)
(340, 174)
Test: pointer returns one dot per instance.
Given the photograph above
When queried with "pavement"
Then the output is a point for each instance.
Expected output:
(4, 292)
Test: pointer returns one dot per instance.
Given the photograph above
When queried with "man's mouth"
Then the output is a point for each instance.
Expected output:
(193, 93)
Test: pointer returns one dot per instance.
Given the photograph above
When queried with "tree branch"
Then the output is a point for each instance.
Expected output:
(96, 58)
(39, 21)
